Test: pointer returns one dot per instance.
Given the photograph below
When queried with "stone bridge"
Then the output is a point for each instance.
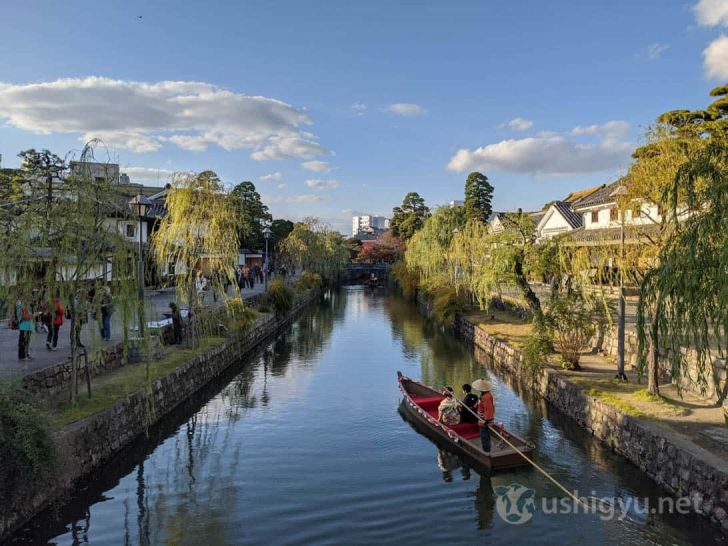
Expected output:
(359, 272)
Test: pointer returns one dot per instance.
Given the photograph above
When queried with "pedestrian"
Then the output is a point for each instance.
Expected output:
(107, 310)
(46, 321)
(251, 277)
(241, 279)
(26, 325)
(79, 317)
(259, 271)
(246, 275)
(200, 286)
(58, 312)
(176, 323)
(486, 412)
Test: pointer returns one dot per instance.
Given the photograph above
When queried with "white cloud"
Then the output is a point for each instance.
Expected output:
(406, 109)
(715, 59)
(270, 177)
(711, 13)
(518, 124)
(317, 166)
(359, 108)
(143, 116)
(654, 51)
(552, 154)
(322, 184)
(304, 198)
(282, 186)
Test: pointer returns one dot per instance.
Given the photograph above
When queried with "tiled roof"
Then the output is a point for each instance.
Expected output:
(601, 196)
(576, 196)
(571, 217)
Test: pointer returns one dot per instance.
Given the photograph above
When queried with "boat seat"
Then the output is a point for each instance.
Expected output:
(428, 404)
(467, 430)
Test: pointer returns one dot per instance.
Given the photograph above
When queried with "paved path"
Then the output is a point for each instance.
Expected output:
(157, 303)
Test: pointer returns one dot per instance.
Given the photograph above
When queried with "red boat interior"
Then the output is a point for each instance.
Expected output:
(430, 404)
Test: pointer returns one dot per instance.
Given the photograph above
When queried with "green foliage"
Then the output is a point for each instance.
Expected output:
(536, 349)
(478, 197)
(409, 218)
(309, 281)
(407, 279)
(447, 303)
(572, 320)
(252, 215)
(279, 296)
(427, 251)
(27, 450)
(314, 247)
(240, 316)
(280, 229)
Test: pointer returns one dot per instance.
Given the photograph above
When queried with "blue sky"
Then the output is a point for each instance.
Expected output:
(384, 97)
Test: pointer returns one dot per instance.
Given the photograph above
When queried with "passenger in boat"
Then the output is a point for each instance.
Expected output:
(448, 412)
(469, 409)
(486, 412)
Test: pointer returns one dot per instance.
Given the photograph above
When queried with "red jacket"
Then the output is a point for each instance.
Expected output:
(486, 407)
(58, 315)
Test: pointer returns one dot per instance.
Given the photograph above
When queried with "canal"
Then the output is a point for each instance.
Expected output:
(303, 444)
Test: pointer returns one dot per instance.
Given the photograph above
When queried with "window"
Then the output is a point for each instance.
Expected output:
(130, 230)
(613, 215)
(595, 217)
(636, 211)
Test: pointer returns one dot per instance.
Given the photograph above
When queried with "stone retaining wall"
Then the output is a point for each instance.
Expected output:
(87, 444)
(684, 469)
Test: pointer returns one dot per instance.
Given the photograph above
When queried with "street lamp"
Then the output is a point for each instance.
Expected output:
(140, 206)
(620, 193)
(266, 267)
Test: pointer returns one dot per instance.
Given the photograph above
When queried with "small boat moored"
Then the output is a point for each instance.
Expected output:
(420, 403)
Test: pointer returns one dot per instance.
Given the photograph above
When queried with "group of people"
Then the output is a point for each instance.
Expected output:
(48, 315)
(247, 276)
(472, 409)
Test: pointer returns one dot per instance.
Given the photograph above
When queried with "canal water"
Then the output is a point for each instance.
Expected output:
(304, 444)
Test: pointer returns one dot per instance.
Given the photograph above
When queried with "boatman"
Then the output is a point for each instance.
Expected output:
(486, 412)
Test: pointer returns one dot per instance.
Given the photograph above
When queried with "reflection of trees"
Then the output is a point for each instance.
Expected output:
(444, 360)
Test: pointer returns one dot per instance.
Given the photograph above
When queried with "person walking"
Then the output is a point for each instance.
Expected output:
(26, 325)
(107, 310)
(57, 312)
(251, 277)
(486, 412)
(241, 280)
(176, 323)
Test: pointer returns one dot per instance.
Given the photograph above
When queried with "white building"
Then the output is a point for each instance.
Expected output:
(368, 222)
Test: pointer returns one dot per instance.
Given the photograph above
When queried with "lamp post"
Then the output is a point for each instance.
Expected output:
(619, 193)
(266, 266)
(140, 205)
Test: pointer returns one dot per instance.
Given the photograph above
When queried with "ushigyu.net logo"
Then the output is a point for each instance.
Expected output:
(516, 504)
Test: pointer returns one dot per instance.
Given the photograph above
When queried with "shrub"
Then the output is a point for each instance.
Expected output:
(308, 281)
(240, 316)
(573, 321)
(446, 304)
(27, 450)
(279, 296)
(408, 280)
(535, 351)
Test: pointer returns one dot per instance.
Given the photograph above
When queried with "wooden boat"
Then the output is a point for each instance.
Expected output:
(420, 404)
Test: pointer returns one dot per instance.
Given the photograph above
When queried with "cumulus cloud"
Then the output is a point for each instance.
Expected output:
(282, 186)
(142, 117)
(317, 166)
(405, 109)
(715, 59)
(518, 124)
(270, 177)
(553, 153)
(359, 108)
(711, 13)
(322, 184)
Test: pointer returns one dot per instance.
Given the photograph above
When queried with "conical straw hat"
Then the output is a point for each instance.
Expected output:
(481, 385)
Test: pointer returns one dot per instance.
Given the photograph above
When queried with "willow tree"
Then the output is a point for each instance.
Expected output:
(199, 236)
(689, 284)
(428, 249)
(314, 247)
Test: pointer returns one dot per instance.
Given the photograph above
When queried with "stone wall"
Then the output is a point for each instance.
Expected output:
(87, 444)
(684, 469)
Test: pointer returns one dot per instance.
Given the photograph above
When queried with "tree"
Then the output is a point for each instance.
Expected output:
(428, 249)
(253, 214)
(280, 229)
(386, 248)
(315, 248)
(478, 197)
(408, 218)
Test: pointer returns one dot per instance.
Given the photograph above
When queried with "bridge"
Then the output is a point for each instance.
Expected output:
(359, 272)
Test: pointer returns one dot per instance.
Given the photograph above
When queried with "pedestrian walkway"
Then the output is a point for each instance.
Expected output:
(157, 304)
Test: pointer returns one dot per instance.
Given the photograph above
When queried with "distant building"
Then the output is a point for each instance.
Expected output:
(367, 222)
(99, 171)
(457, 203)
